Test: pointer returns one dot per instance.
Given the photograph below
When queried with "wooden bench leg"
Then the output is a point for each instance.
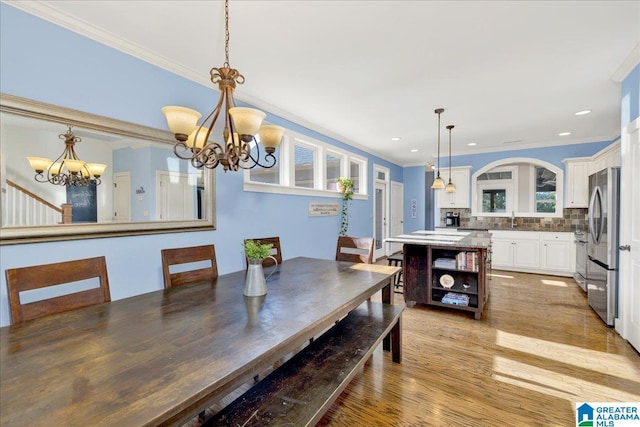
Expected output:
(396, 344)
(386, 298)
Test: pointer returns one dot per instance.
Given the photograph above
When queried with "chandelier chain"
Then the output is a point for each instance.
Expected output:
(226, 33)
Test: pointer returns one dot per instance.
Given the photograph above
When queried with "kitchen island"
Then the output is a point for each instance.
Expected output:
(446, 268)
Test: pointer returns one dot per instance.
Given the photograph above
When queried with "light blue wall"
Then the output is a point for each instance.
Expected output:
(47, 63)
(553, 155)
(414, 188)
(630, 97)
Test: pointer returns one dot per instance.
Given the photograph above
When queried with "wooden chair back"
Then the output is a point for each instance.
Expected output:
(355, 249)
(40, 276)
(176, 256)
(276, 251)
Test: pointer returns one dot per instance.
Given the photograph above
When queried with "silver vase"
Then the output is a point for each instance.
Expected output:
(255, 284)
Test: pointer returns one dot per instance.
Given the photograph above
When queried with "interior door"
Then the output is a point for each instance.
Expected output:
(122, 197)
(176, 197)
(397, 214)
(380, 219)
(630, 235)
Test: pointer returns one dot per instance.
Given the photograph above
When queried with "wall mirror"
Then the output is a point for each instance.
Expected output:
(522, 187)
(144, 189)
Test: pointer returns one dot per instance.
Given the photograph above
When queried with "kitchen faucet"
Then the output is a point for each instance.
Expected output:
(513, 218)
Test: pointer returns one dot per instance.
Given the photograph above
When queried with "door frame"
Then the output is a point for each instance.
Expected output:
(397, 188)
(386, 226)
(629, 261)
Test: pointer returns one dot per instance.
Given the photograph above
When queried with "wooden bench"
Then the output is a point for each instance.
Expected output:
(301, 390)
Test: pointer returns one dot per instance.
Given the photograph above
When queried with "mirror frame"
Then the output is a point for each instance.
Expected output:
(65, 116)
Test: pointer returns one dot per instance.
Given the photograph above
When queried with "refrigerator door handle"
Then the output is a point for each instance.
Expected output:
(596, 233)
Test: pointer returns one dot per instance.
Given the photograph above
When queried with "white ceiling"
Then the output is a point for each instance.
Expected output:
(367, 71)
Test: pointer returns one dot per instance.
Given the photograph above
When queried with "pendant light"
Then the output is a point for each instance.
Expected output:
(438, 183)
(450, 187)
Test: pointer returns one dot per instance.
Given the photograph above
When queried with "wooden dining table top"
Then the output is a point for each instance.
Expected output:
(161, 357)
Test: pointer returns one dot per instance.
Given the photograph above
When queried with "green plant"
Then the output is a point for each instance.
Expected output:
(253, 249)
(346, 188)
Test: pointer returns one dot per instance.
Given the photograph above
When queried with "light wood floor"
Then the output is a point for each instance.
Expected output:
(537, 350)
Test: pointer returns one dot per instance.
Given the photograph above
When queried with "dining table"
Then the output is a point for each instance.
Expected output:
(160, 358)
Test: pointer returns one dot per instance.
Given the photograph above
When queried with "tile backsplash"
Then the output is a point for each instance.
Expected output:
(572, 220)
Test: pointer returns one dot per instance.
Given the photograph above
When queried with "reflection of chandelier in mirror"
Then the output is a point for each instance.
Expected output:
(67, 169)
(240, 126)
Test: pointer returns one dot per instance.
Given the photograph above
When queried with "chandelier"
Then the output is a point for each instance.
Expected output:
(67, 169)
(450, 188)
(236, 149)
(438, 183)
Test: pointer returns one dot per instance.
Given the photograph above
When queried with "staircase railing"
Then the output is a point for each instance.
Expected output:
(24, 208)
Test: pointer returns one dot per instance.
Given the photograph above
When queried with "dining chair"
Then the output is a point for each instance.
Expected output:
(25, 279)
(276, 251)
(355, 249)
(192, 254)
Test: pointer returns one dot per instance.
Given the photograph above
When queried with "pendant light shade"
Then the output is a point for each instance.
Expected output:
(450, 187)
(438, 183)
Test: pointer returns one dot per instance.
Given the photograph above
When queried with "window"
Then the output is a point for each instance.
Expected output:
(306, 166)
(545, 194)
(494, 200)
(355, 171)
(520, 186)
(332, 165)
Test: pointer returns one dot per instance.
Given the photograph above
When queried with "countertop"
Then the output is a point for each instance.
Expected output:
(453, 229)
(470, 239)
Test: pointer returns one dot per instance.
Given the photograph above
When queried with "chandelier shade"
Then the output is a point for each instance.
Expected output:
(236, 148)
(182, 121)
(450, 188)
(438, 183)
(67, 169)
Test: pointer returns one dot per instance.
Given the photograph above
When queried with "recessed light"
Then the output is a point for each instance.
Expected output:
(414, 150)
(396, 138)
(471, 144)
(564, 134)
(583, 112)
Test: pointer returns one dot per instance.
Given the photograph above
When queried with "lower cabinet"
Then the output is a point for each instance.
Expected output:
(533, 251)
(515, 249)
(558, 252)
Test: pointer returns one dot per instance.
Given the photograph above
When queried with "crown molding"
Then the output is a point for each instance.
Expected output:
(627, 65)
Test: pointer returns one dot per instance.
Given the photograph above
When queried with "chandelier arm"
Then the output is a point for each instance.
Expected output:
(256, 160)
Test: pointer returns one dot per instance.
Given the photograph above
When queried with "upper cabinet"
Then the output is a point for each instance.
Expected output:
(518, 187)
(578, 171)
(577, 183)
(460, 198)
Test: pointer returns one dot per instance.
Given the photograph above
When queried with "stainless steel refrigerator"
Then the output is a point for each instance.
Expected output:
(602, 267)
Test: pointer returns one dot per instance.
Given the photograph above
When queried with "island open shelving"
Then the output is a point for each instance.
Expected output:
(447, 273)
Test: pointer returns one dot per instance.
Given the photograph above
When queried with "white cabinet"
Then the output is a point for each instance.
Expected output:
(515, 249)
(577, 183)
(609, 156)
(558, 252)
(460, 176)
(533, 251)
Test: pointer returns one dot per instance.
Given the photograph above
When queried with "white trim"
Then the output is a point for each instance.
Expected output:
(627, 65)
(261, 187)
